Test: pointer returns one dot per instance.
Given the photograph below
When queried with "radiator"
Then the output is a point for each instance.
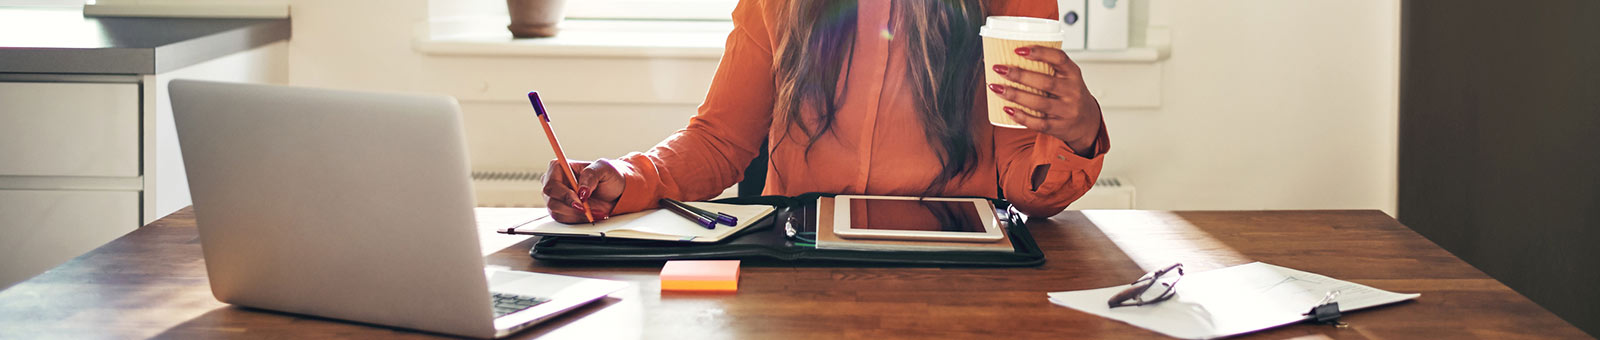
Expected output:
(508, 188)
(1107, 193)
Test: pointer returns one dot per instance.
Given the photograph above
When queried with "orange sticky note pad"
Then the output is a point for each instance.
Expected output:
(700, 276)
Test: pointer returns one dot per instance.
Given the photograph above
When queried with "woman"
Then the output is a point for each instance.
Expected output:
(878, 97)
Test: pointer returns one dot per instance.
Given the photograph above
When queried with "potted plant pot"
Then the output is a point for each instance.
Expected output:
(535, 18)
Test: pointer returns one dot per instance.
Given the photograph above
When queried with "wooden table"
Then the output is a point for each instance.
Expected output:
(152, 283)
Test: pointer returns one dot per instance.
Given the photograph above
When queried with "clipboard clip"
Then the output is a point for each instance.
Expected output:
(793, 231)
(789, 229)
(1327, 311)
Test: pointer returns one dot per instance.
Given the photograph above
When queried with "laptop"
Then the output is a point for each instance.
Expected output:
(350, 205)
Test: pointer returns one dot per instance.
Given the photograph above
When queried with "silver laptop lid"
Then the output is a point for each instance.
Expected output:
(348, 205)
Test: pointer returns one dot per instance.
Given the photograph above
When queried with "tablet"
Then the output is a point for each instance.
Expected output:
(915, 218)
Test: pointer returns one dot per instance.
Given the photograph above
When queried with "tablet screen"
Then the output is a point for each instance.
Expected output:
(909, 215)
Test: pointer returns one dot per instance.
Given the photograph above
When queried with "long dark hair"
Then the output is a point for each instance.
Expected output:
(944, 66)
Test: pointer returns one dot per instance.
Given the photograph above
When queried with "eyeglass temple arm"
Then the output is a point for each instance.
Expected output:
(1126, 295)
(1121, 298)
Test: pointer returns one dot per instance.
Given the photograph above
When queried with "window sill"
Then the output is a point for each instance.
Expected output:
(487, 36)
(578, 38)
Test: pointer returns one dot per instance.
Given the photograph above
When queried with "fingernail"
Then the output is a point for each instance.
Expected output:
(583, 193)
(1023, 51)
(1010, 111)
(577, 205)
(1001, 69)
(997, 88)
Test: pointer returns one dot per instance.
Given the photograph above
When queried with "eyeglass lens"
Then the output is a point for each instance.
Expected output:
(1161, 289)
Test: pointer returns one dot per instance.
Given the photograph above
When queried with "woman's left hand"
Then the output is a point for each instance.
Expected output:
(1067, 111)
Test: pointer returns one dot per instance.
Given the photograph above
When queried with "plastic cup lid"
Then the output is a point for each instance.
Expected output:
(1021, 28)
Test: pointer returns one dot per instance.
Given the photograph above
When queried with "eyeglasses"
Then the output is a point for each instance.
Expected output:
(1151, 288)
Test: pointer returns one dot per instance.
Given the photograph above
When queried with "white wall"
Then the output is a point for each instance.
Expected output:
(1265, 104)
(1269, 105)
(358, 44)
(167, 190)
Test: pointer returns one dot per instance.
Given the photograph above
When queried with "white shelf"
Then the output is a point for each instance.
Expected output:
(578, 38)
(1131, 55)
(487, 36)
(185, 9)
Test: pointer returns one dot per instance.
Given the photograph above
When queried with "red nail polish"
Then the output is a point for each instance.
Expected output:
(997, 88)
(1010, 111)
(1001, 69)
(1024, 51)
(577, 205)
(583, 193)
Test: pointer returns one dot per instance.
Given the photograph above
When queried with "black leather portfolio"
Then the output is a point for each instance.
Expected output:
(774, 240)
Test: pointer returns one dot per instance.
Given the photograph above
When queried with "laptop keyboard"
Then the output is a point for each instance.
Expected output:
(511, 303)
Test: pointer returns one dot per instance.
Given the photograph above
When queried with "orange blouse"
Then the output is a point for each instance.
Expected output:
(877, 145)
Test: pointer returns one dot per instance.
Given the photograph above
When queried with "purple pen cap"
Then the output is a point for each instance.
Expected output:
(700, 220)
(727, 219)
(538, 106)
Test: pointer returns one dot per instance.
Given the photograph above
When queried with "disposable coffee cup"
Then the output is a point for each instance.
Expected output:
(1002, 35)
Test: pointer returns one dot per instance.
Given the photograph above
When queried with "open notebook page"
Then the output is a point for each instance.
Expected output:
(491, 219)
(660, 222)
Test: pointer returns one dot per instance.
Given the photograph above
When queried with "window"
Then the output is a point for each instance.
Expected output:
(651, 9)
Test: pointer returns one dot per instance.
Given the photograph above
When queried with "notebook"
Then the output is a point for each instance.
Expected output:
(653, 224)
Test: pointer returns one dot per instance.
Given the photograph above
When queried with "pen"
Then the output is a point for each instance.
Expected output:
(561, 157)
(698, 220)
(718, 216)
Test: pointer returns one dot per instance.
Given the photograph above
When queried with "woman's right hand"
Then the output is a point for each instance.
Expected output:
(599, 185)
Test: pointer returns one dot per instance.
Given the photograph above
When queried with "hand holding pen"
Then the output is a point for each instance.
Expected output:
(599, 186)
(586, 195)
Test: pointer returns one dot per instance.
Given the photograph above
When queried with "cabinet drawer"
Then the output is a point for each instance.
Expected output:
(45, 228)
(69, 129)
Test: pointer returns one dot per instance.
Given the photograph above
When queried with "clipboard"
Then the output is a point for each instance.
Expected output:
(769, 241)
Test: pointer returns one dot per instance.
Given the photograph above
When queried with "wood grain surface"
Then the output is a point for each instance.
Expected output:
(152, 283)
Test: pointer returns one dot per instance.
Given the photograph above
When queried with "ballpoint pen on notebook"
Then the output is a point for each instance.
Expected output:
(720, 217)
(561, 157)
(690, 215)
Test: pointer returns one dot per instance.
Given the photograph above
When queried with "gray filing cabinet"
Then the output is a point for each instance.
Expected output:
(87, 148)
(69, 169)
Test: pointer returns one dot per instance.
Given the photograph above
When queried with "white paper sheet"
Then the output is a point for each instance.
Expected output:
(1231, 301)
